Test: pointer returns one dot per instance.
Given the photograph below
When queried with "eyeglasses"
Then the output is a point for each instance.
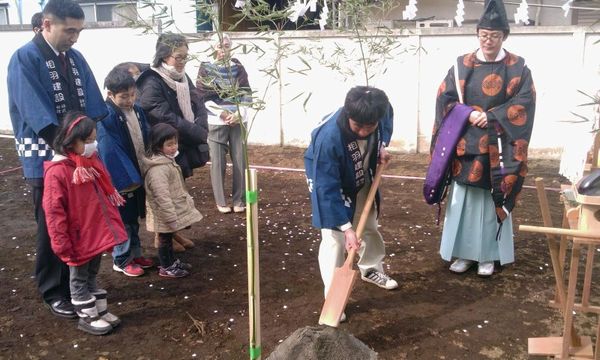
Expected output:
(486, 37)
(181, 59)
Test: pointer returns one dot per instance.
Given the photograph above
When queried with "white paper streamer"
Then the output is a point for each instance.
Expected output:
(522, 14)
(566, 7)
(460, 13)
(298, 9)
(324, 16)
(410, 12)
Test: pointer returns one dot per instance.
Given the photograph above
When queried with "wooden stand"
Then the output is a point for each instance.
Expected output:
(584, 223)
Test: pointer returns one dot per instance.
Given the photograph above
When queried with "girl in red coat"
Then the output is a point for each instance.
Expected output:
(82, 217)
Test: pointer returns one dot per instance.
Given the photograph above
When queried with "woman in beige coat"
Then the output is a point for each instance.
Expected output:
(169, 206)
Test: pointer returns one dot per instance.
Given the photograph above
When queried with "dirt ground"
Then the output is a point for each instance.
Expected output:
(434, 314)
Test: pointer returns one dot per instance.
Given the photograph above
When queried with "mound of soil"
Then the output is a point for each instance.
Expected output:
(322, 343)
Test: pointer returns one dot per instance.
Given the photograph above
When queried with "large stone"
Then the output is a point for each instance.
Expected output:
(322, 343)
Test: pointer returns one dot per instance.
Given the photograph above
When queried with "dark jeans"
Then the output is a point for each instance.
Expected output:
(51, 274)
(130, 249)
(165, 249)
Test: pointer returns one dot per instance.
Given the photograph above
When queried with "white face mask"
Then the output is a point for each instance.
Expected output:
(172, 157)
(90, 149)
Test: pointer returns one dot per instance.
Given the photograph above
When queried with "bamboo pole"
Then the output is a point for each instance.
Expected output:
(253, 264)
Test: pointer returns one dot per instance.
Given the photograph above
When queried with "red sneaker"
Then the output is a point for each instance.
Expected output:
(143, 262)
(130, 270)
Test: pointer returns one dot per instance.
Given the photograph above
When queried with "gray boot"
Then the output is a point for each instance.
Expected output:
(102, 305)
(89, 319)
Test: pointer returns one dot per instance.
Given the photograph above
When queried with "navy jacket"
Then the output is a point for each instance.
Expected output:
(117, 152)
(330, 170)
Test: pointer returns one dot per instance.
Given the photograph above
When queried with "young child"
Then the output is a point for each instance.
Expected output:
(121, 144)
(170, 207)
(81, 213)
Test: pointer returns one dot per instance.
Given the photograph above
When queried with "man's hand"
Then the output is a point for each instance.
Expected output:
(352, 242)
(478, 118)
(384, 156)
(225, 115)
(232, 119)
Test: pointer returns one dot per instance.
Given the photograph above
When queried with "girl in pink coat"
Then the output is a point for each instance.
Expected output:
(80, 203)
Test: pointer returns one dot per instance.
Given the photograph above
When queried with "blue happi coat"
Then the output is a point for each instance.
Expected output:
(32, 104)
(330, 170)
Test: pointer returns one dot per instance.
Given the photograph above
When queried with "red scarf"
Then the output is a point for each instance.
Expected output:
(91, 169)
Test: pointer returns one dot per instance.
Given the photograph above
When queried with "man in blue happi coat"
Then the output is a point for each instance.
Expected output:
(46, 79)
(340, 162)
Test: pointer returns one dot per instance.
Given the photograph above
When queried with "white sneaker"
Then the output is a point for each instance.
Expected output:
(343, 318)
(485, 268)
(380, 279)
(224, 209)
(461, 265)
(239, 209)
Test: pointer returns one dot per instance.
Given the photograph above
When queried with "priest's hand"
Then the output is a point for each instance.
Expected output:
(478, 118)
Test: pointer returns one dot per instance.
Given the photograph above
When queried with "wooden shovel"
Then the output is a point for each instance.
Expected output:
(345, 276)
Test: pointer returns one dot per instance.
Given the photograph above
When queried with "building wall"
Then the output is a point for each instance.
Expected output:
(563, 60)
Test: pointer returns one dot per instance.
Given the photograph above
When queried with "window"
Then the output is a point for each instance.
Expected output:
(99, 11)
(3, 14)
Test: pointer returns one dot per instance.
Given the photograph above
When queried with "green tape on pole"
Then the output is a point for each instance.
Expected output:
(255, 352)
(251, 197)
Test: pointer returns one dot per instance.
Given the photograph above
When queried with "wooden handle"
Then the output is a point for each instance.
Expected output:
(559, 231)
(365, 211)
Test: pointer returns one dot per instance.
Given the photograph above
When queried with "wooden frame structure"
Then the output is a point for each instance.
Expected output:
(583, 228)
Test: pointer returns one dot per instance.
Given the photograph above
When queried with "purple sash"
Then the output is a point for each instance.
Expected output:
(439, 170)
